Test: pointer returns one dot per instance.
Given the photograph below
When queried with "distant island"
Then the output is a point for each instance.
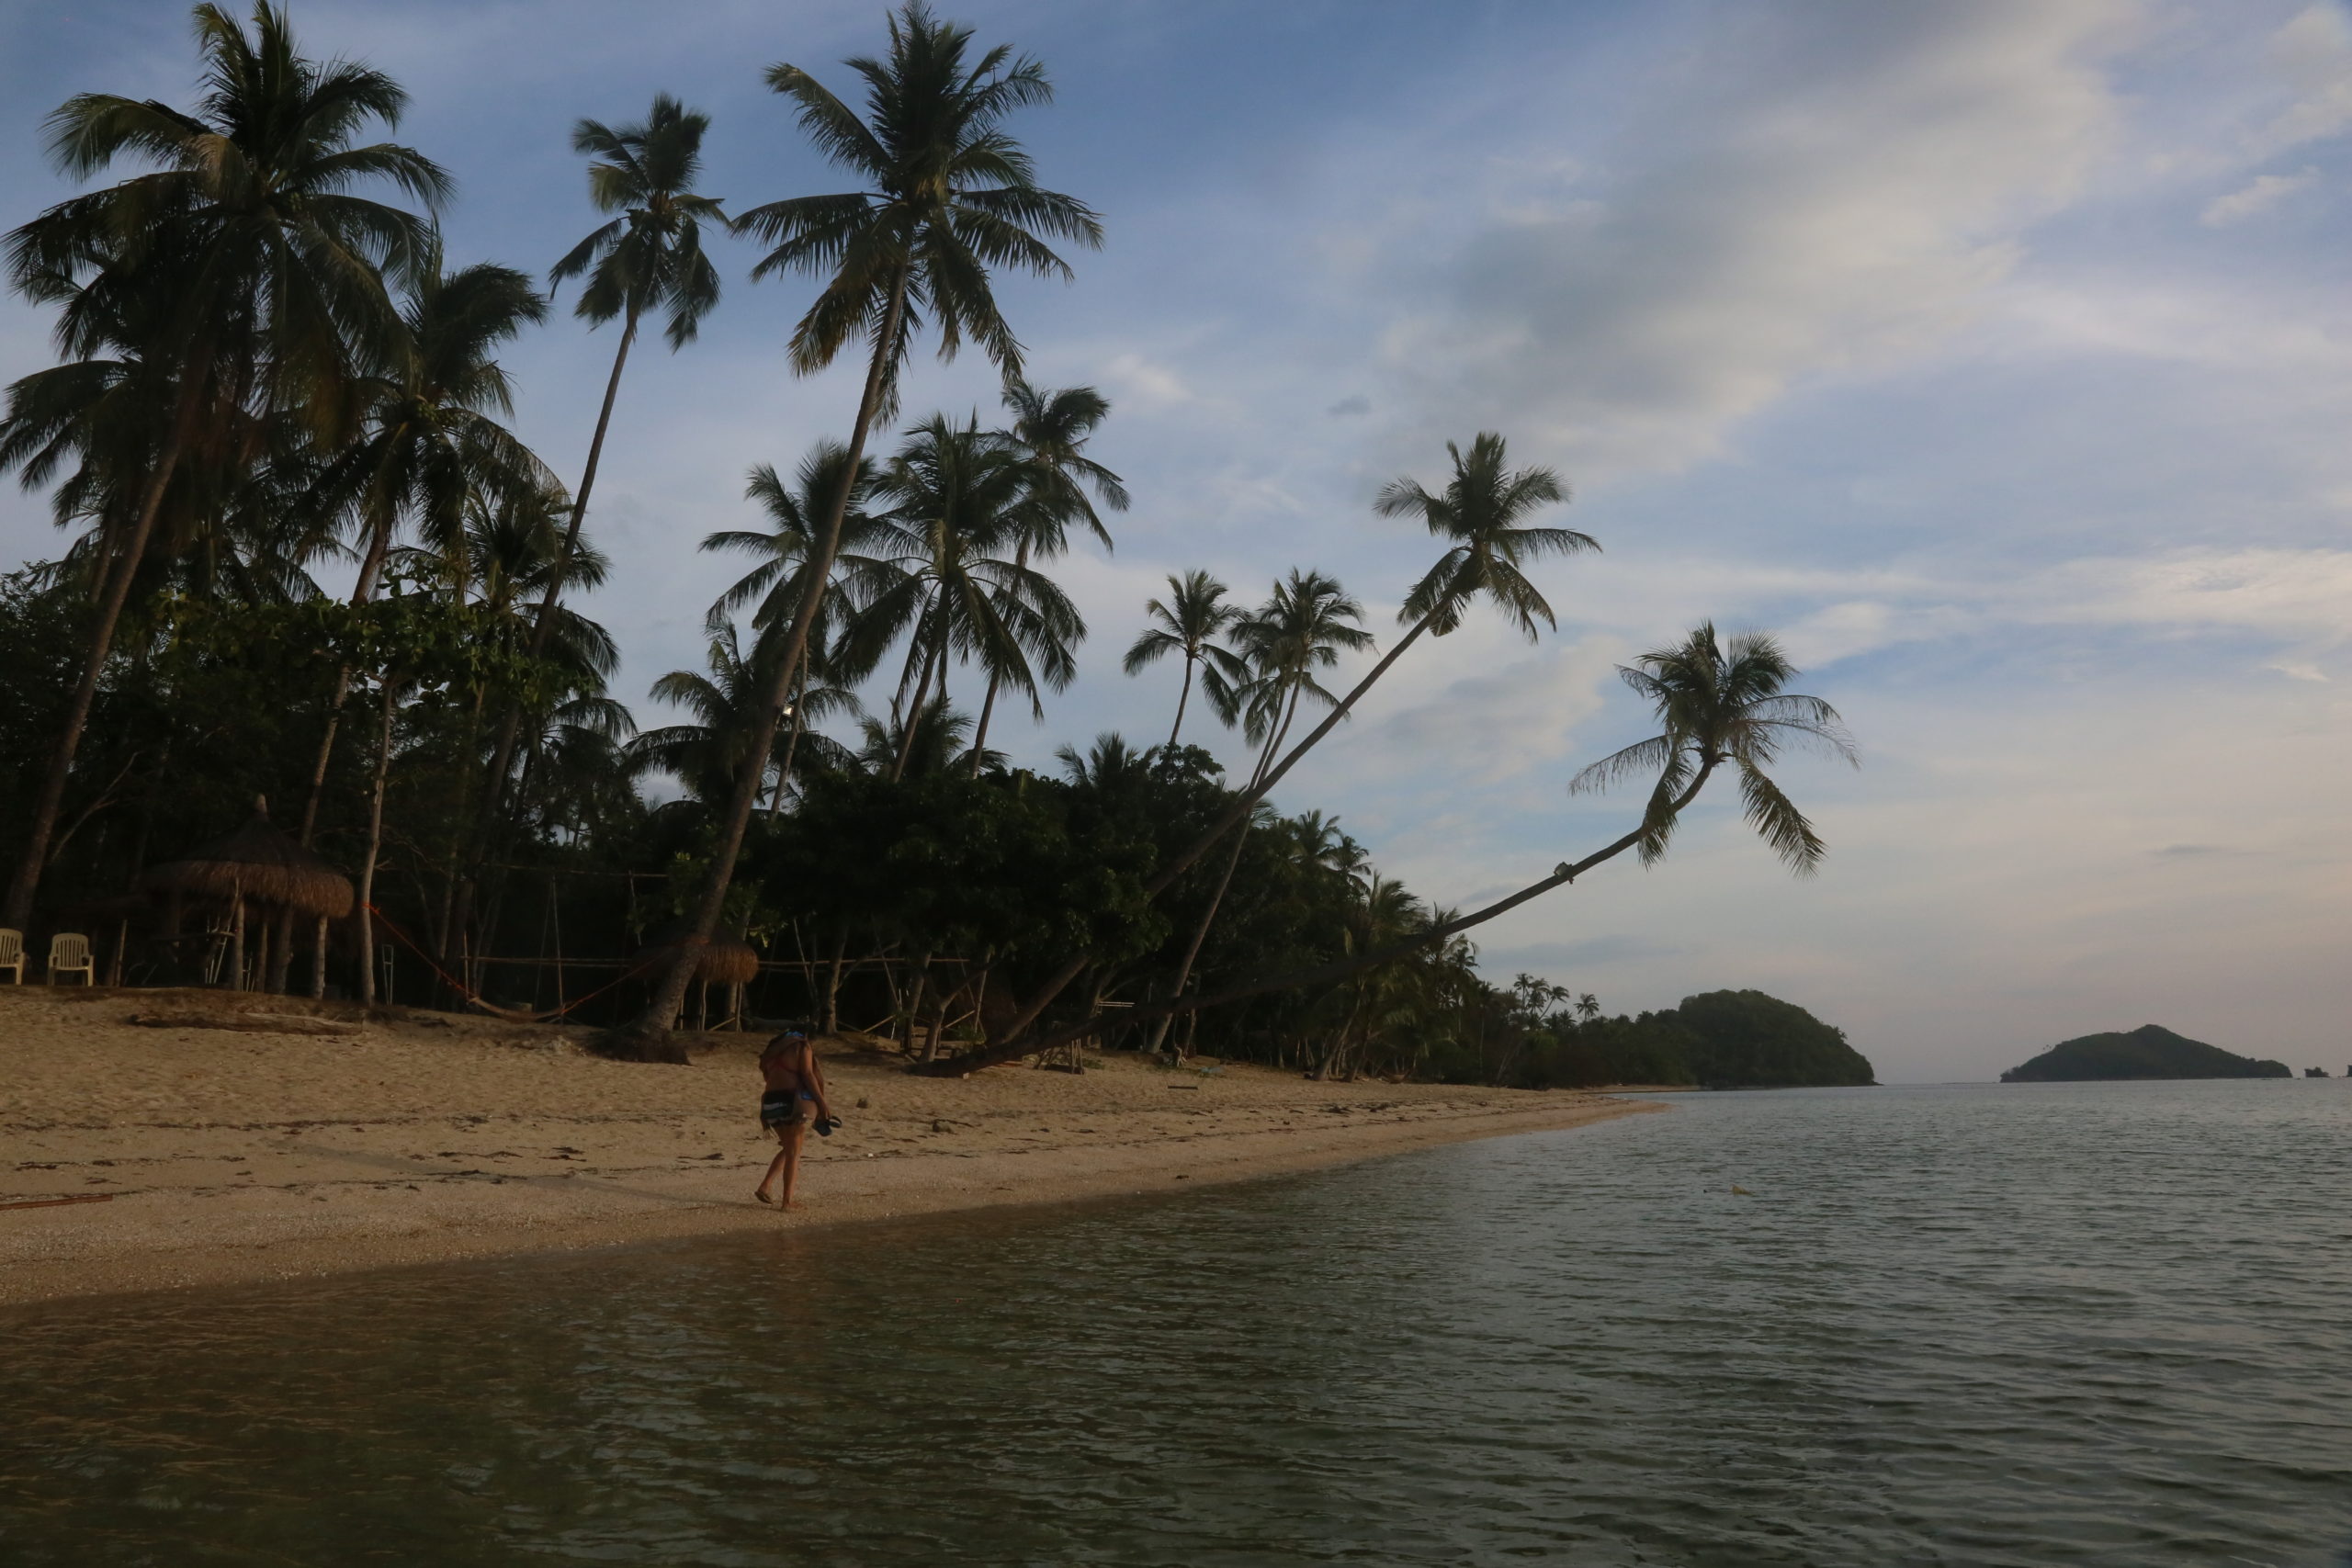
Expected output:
(1715, 1040)
(2147, 1052)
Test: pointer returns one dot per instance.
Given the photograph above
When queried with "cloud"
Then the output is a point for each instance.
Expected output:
(2313, 52)
(2263, 193)
(1358, 404)
(1492, 727)
(1836, 186)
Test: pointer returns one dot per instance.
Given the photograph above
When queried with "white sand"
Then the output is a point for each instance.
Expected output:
(231, 1155)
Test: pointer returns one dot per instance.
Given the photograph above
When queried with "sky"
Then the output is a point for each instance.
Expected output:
(1996, 354)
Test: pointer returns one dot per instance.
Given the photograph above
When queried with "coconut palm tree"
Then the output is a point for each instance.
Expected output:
(1304, 625)
(1481, 514)
(705, 755)
(945, 195)
(649, 259)
(1188, 622)
(261, 268)
(960, 499)
(1719, 704)
(1050, 429)
(433, 447)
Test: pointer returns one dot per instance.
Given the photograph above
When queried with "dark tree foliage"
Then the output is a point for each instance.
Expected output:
(1719, 1039)
(2147, 1052)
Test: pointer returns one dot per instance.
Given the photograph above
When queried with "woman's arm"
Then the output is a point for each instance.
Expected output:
(814, 1076)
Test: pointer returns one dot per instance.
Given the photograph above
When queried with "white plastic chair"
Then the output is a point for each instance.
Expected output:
(69, 953)
(12, 954)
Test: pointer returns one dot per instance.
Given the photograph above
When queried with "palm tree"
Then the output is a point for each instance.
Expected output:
(1481, 514)
(1303, 626)
(775, 586)
(1050, 429)
(945, 195)
(649, 259)
(705, 755)
(433, 447)
(1717, 704)
(262, 270)
(961, 495)
(1188, 622)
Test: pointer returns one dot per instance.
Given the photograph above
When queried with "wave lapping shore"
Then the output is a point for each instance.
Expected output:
(273, 1150)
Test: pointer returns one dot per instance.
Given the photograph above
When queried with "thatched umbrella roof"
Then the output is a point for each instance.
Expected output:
(724, 961)
(260, 863)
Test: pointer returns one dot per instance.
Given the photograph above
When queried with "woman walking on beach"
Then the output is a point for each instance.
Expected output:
(793, 1087)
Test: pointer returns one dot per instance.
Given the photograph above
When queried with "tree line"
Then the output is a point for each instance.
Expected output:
(268, 365)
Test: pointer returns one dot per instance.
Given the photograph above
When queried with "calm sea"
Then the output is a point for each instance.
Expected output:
(2029, 1325)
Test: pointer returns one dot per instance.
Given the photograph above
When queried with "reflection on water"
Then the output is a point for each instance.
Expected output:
(2025, 1326)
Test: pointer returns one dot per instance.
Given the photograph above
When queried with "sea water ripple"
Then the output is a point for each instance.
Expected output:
(2025, 1326)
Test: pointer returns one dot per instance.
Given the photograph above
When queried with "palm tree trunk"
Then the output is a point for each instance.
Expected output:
(792, 745)
(375, 847)
(832, 1009)
(1208, 916)
(935, 659)
(1184, 695)
(652, 1021)
(1341, 969)
(27, 880)
(1180, 863)
(379, 543)
(510, 727)
(988, 706)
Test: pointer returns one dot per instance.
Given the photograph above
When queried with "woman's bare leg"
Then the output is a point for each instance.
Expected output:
(786, 1165)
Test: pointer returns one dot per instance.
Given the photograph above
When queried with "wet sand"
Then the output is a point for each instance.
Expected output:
(321, 1140)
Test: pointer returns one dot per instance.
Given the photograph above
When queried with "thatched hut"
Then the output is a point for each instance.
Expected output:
(723, 960)
(258, 863)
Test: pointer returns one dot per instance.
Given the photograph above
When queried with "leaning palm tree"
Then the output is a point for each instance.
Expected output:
(1719, 705)
(1482, 515)
(1188, 622)
(945, 195)
(1304, 625)
(266, 272)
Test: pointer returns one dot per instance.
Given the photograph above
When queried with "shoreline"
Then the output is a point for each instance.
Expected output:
(236, 1155)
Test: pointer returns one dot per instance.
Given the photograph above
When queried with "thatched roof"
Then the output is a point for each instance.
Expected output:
(724, 962)
(259, 862)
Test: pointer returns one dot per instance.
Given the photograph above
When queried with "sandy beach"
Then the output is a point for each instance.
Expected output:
(315, 1140)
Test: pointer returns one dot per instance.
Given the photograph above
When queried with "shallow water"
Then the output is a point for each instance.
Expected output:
(2031, 1324)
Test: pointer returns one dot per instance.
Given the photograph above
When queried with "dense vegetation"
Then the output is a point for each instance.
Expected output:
(270, 369)
(2147, 1052)
(1719, 1039)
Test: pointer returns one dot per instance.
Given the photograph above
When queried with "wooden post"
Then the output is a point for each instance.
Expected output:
(319, 962)
(236, 937)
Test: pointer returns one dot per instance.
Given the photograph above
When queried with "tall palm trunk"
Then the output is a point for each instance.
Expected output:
(1225, 881)
(493, 802)
(935, 660)
(1178, 864)
(375, 846)
(654, 1021)
(988, 705)
(17, 913)
(799, 696)
(1184, 695)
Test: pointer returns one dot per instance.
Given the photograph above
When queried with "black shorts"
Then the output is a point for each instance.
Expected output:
(784, 1106)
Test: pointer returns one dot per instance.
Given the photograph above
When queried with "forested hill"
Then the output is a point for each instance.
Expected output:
(1720, 1038)
(2147, 1052)
(1747, 1039)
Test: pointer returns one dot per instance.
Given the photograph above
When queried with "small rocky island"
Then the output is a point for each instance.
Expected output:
(2147, 1052)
